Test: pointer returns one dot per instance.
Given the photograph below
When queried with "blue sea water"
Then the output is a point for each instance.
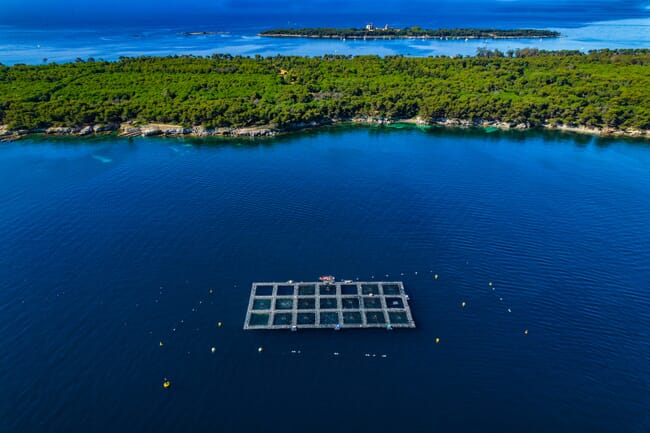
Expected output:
(107, 32)
(110, 246)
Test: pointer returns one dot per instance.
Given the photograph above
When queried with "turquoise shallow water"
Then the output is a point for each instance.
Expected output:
(110, 246)
(26, 45)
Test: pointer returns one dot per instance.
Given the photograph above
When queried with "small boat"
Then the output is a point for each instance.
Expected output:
(326, 278)
(347, 281)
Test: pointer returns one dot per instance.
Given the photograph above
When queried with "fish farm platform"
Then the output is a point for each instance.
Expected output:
(329, 305)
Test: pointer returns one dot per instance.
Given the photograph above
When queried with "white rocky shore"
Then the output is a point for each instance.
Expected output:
(130, 129)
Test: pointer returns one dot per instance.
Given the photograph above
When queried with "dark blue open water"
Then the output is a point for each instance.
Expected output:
(109, 246)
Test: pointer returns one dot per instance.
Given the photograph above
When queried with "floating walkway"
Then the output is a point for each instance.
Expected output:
(331, 305)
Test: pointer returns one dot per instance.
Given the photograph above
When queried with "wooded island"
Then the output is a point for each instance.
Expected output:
(371, 32)
(605, 89)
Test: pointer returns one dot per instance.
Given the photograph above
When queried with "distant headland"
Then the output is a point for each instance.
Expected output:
(415, 32)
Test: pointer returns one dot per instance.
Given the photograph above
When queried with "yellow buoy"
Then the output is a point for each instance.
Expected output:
(435, 277)
(167, 384)
(160, 344)
(437, 340)
(462, 304)
(525, 331)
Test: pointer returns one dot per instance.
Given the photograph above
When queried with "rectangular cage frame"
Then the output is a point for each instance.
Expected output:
(328, 305)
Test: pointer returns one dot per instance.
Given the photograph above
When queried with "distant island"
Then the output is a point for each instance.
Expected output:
(603, 91)
(371, 32)
(202, 33)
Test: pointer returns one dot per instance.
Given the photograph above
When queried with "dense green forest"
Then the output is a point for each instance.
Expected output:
(607, 89)
(409, 32)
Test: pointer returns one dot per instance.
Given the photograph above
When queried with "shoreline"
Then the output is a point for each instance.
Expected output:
(445, 38)
(129, 130)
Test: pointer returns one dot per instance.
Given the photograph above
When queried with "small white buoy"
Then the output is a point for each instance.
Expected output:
(259, 349)
(462, 304)
(435, 277)
(214, 349)
(437, 340)
(525, 331)
(490, 283)
(509, 310)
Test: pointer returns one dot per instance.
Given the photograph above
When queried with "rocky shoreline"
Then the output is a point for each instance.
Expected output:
(130, 129)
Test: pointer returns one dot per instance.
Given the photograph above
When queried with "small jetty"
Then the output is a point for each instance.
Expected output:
(328, 304)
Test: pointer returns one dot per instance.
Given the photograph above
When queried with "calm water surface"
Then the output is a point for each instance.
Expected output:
(39, 34)
(109, 247)
(32, 46)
